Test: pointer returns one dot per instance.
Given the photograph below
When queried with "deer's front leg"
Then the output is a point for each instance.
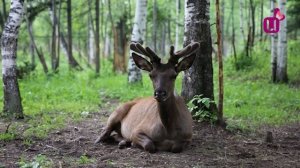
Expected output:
(142, 140)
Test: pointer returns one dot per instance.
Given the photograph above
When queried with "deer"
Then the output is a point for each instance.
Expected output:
(161, 122)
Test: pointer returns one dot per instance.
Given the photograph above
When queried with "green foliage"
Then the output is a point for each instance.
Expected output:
(85, 160)
(242, 61)
(39, 161)
(24, 69)
(7, 136)
(250, 99)
(199, 106)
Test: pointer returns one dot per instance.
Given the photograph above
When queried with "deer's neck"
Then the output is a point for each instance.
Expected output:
(168, 111)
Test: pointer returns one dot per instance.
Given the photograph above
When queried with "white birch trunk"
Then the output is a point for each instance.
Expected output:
(242, 20)
(12, 98)
(177, 27)
(223, 27)
(281, 73)
(274, 45)
(107, 45)
(138, 35)
(91, 43)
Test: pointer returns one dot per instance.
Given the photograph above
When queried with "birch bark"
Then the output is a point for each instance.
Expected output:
(281, 73)
(242, 20)
(12, 97)
(199, 78)
(274, 44)
(138, 35)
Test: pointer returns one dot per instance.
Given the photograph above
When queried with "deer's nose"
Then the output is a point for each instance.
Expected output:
(160, 94)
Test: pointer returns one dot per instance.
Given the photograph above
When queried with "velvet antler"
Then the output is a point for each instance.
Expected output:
(188, 50)
(145, 51)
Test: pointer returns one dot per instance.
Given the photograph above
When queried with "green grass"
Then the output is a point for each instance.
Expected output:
(252, 100)
(50, 102)
(6, 136)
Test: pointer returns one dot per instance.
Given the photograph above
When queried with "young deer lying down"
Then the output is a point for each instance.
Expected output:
(161, 122)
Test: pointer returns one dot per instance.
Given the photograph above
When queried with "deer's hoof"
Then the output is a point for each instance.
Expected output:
(124, 144)
(150, 147)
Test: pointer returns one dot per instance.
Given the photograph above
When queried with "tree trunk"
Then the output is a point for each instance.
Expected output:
(220, 60)
(107, 44)
(31, 46)
(138, 35)
(274, 44)
(4, 11)
(1, 23)
(91, 42)
(97, 39)
(169, 31)
(198, 80)
(61, 41)
(261, 18)
(54, 46)
(242, 20)
(120, 44)
(177, 26)
(233, 32)
(222, 24)
(252, 7)
(91, 36)
(281, 73)
(154, 33)
(12, 98)
(38, 52)
(163, 39)
(72, 62)
(69, 21)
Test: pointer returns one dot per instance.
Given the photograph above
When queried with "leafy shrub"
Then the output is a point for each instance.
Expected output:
(24, 69)
(199, 107)
(242, 62)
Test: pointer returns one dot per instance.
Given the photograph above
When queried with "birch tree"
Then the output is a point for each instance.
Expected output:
(177, 26)
(55, 34)
(12, 98)
(91, 36)
(281, 73)
(154, 33)
(242, 20)
(273, 46)
(198, 80)
(97, 38)
(138, 35)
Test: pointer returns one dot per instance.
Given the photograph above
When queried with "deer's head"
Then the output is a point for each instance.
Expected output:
(163, 76)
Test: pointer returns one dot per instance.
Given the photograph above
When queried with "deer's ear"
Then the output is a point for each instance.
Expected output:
(141, 62)
(185, 63)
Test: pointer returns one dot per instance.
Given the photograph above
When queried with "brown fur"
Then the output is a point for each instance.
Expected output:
(162, 122)
(140, 122)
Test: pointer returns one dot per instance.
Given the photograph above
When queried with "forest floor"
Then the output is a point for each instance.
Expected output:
(74, 146)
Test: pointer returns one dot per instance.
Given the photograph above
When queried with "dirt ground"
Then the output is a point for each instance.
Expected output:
(211, 147)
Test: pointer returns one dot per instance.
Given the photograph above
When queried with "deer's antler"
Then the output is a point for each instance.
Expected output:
(145, 51)
(188, 50)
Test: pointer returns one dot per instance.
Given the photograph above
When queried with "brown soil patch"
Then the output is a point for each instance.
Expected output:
(211, 147)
